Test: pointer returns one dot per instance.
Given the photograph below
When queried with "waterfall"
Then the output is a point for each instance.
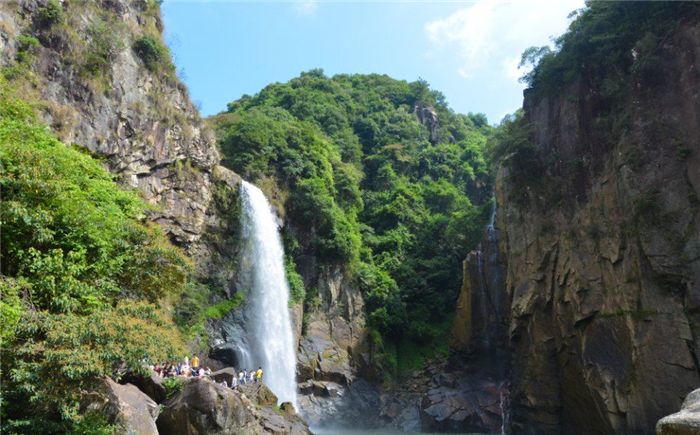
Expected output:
(503, 411)
(268, 325)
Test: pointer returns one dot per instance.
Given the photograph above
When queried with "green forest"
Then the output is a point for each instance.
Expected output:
(395, 201)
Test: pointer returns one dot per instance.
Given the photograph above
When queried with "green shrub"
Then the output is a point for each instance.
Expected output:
(105, 43)
(218, 311)
(511, 145)
(51, 14)
(297, 292)
(26, 49)
(173, 386)
(151, 51)
(683, 152)
(646, 206)
(647, 65)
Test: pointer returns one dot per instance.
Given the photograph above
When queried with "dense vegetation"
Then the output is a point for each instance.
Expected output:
(367, 185)
(83, 278)
(611, 48)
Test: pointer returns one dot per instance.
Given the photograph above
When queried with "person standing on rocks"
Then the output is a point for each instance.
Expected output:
(259, 375)
(195, 363)
(234, 383)
(242, 377)
(252, 376)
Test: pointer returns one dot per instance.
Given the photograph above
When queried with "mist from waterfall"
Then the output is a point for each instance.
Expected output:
(268, 327)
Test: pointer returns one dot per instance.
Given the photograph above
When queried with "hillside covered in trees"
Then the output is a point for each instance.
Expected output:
(390, 183)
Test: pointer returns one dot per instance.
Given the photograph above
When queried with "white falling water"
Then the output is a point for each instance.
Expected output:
(269, 327)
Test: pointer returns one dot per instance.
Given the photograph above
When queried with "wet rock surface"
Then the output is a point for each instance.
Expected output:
(330, 394)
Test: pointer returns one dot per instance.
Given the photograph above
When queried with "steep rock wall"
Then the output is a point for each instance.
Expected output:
(604, 280)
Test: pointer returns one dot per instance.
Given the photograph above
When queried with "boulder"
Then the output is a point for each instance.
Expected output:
(226, 374)
(306, 387)
(204, 407)
(288, 409)
(281, 423)
(125, 406)
(684, 422)
(150, 384)
(265, 396)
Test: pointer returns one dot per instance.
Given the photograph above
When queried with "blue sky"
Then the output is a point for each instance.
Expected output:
(467, 50)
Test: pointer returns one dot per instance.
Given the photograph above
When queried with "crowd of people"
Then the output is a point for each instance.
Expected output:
(195, 370)
(245, 377)
(184, 369)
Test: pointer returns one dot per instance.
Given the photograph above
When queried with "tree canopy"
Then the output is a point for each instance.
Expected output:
(391, 183)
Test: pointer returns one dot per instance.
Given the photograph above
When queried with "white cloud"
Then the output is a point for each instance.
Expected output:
(491, 34)
(510, 67)
(305, 7)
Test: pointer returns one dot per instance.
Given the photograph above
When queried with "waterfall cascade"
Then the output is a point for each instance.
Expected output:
(269, 341)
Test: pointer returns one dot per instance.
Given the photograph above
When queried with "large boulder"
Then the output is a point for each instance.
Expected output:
(150, 384)
(265, 396)
(125, 406)
(684, 422)
(226, 374)
(204, 407)
(280, 422)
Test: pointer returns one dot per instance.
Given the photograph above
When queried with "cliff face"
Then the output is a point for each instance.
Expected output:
(603, 281)
(96, 92)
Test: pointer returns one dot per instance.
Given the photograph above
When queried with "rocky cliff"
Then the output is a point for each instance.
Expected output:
(132, 113)
(603, 258)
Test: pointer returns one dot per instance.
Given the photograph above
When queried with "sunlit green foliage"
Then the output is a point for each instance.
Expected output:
(82, 277)
(52, 13)
(106, 41)
(153, 53)
(297, 292)
(397, 204)
(218, 311)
